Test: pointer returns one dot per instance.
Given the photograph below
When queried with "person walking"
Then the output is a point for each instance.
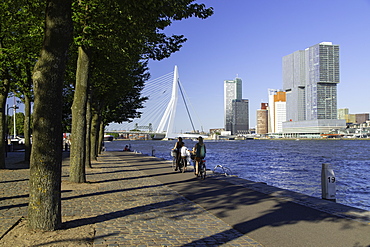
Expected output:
(200, 152)
(184, 156)
(177, 149)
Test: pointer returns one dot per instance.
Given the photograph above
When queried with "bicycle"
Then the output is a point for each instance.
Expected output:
(182, 162)
(202, 170)
(174, 158)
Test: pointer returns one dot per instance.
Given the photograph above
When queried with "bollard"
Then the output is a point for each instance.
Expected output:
(153, 152)
(328, 183)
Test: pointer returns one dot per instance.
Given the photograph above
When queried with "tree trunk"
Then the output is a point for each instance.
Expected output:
(77, 168)
(94, 136)
(3, 120)
(101, 137)
(27, 128)
(44, 209)
(88, 133)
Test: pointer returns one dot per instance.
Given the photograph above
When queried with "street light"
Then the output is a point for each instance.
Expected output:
(14, 107)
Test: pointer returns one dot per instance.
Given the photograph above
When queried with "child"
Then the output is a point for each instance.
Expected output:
(184, 152)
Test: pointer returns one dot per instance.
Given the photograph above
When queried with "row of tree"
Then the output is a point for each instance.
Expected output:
(90, 72)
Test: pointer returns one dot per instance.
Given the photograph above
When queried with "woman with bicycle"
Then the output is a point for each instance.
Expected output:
(200, 152)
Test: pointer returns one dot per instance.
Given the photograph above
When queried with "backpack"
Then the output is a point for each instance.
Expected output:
(201, 150)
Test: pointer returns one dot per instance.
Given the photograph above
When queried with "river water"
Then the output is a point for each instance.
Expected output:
(289, 164)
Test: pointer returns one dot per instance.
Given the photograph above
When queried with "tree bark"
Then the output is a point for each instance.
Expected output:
(3, 120)
(88, 133)
(27, 128)
(44, 209)
(94, 135)
(77, 172)
(101, 137)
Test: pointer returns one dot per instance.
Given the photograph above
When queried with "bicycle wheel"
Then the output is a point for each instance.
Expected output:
(202, 171)
(174, 163)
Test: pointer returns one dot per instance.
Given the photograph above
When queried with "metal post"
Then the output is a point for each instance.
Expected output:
(328, 183)
(15, 126)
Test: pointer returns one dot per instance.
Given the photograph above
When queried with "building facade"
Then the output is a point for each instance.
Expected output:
(271, 110)
(240, 117)
(280, 111)
(232, 91)
(276, 110)
(310, 79)
(262, 119)
(342, 113)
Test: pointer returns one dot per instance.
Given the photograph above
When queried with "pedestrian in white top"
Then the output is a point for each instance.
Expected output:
(184, 152)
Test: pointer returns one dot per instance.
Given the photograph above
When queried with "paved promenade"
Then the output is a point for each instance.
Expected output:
(127, 207)
(135, 200)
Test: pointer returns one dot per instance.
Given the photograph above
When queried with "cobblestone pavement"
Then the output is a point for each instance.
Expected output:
(126, 207)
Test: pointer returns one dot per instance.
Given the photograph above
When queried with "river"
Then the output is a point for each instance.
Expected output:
(289, 164)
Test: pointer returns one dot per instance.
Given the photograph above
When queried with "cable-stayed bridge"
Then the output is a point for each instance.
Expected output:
(159, 113)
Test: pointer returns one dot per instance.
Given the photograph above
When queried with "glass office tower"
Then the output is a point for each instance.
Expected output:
(240, 116)
(232, 91)
(322, 77)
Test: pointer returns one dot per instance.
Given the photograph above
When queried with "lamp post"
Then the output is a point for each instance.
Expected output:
(14, 107)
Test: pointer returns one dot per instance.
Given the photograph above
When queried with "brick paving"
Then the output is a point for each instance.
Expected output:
(126, 207)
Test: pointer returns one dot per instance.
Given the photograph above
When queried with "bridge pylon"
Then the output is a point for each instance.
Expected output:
(170, 112)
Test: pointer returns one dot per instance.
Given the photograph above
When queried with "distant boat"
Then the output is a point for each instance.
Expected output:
(108, 138)
(158, 136)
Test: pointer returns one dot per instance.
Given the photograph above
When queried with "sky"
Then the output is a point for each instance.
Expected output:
(248, 39)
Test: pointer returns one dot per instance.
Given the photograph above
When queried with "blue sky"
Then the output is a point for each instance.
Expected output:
(248, 38)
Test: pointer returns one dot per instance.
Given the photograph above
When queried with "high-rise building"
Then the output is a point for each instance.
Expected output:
(240, 116)
(294, 77)
(232, 91)
(310, 79)
(280, 111)
(276, 110)
(262, 119)
(271, 110)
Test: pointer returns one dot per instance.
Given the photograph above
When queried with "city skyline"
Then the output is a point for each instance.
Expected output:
(248, 39)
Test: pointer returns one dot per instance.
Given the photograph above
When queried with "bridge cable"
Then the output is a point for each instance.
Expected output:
(186, 106)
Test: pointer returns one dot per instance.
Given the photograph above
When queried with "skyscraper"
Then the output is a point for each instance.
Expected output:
(240, 116)
(276, 110)
(232, 91)
(310, 79)
(322, 62)
(294, 77)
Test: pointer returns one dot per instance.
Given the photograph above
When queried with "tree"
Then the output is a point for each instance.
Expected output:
(44, 210)
(126, 33)
(10, 15)
(20, 37)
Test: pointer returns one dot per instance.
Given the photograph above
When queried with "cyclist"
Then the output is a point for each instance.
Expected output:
(200, 152)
